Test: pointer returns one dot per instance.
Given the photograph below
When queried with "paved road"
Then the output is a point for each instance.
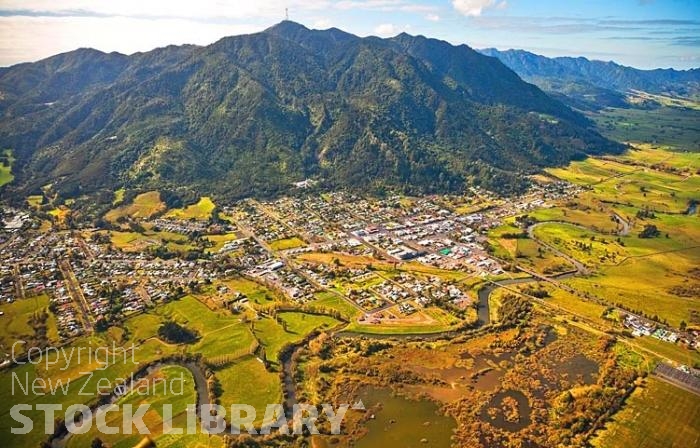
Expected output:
(19, 289)
(76, 293)
(289, 262)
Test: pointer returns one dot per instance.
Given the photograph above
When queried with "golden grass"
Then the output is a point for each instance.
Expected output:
(119, 196)
(200, 211)
(35, 201)
(423, 321)
(6, 175)
(220, 240)
(636, 183)
(254, 291)
(328, 299)
(145, 205)
(595, 219)
(14, 323)
(60, 213)
(287, 243)
(134, 242)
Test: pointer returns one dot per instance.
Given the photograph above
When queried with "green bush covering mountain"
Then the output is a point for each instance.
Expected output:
(249, 115)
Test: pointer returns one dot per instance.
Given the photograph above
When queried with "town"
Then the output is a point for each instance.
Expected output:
(248, 282)
(292, 245)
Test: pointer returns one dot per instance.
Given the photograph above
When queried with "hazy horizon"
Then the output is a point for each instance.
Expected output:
(644, 34)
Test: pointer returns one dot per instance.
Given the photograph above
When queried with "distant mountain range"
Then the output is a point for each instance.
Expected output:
(249, 115)
(582, 82)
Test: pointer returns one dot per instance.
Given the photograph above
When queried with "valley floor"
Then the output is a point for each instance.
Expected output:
(549, 310)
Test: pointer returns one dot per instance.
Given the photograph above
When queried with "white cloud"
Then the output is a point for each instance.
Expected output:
(476, 7)
(386, 30)
(433, 17)
(34, 29)
(321, 24)
(207, 9)
(200, 9)
(383, 5)
(33, 38)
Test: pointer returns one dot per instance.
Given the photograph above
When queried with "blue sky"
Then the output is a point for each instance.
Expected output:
(640, 33)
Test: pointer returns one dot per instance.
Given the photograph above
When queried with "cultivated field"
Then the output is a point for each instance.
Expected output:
(66, 377)
(678, 128)
(287, 328)
(248, 382)
(384, 266)
(657, 414)
(35, 201)
(15, 322)
(255, 292)
(598, 219)
(163, 386)
(647, 275)
(333, 301)
(639, 273)
(430, 320)
(634, 185)
(140, 241)
(220, 240)
(119, 196)
(510, 242)
(221, 333)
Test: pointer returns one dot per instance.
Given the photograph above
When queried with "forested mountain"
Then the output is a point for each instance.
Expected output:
(602, 83)
(250, 114)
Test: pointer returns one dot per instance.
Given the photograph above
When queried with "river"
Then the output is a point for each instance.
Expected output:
(61, 436)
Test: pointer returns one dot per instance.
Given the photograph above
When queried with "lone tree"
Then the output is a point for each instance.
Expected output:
(650, 231)
(177, 334)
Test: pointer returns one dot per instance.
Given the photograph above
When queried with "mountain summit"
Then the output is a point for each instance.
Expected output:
(250, 114)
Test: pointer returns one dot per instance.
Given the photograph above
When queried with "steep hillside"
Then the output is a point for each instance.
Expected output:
(248, 115)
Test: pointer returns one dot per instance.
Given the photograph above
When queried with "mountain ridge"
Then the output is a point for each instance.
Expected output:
(250, 114)
(607, 81)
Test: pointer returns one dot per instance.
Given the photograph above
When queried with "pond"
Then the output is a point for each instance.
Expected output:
(579, 368)
(404, 423)
(489, 380)
(499, 419)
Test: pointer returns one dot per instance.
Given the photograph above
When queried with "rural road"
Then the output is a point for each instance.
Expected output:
(625, 225)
